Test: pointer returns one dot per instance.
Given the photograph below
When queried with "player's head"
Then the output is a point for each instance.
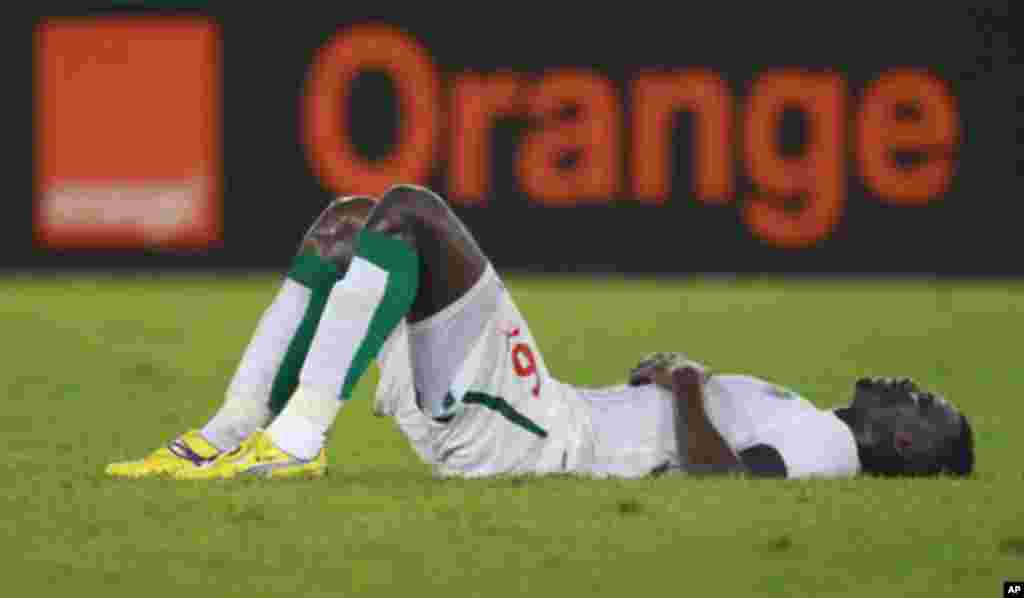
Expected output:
(903, 430)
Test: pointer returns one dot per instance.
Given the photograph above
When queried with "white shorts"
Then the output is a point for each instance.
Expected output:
(505, 413)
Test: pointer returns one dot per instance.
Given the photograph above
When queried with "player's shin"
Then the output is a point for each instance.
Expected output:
(361, 312)
(269, 370)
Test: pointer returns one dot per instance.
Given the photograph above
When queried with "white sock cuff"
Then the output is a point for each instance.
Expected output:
(296, 436)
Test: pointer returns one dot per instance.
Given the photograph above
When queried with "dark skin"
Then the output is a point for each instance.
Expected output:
(332, 236)
(451, 261)
(899, 427)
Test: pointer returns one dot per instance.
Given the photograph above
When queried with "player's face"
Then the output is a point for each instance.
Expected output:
(908, 428)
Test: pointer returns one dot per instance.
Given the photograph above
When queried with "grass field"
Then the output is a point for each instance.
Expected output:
(101, 368)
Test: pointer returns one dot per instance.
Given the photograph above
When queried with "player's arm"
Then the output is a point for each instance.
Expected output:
(706, 450)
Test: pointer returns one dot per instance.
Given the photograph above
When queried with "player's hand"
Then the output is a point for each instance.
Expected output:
(660, 368)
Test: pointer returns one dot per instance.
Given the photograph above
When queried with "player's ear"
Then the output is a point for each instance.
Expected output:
(961, 459)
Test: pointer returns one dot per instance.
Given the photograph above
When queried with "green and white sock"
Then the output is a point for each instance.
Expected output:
(362, 311)
(269, 370)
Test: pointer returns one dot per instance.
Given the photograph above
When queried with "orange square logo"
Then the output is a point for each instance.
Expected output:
(127, 133)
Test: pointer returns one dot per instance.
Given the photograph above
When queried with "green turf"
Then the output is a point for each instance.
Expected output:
(102, 368)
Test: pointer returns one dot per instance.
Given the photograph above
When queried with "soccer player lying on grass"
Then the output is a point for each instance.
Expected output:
(402, 281)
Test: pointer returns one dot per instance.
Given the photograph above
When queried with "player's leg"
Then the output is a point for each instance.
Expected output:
(471, 353)
(268, 371)
(413, 258)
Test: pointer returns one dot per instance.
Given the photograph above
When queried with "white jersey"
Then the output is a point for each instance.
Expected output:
(507, 415)
(748, 411)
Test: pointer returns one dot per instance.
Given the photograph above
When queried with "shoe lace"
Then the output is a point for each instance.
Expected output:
(182, 450)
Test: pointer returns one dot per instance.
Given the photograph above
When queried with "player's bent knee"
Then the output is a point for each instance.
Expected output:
(333, 234)
(451, 261)
(402, 207)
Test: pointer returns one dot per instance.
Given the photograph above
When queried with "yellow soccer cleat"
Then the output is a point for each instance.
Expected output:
(188, 451)
(257, 457)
